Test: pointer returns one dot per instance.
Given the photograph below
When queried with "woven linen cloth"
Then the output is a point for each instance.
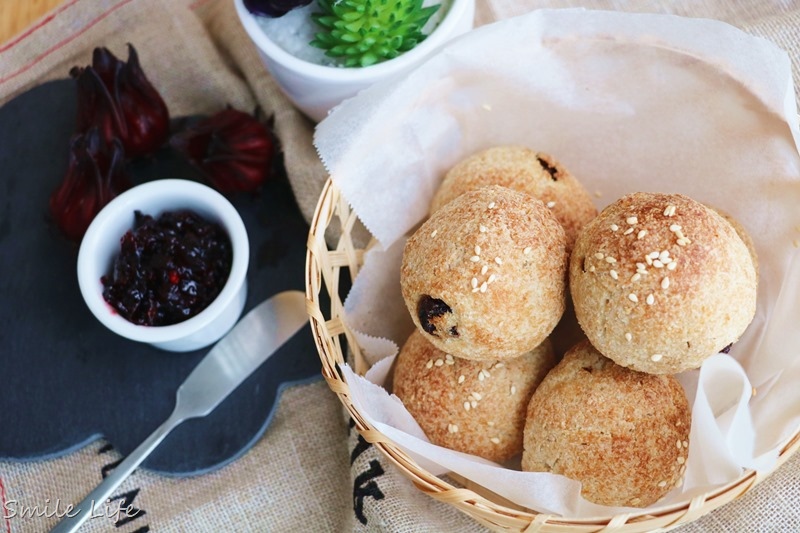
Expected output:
(311, 471)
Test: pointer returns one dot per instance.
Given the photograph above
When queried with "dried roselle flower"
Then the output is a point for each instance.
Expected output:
(94, 177)
(117, 98)
(233, 150)
(273, 8)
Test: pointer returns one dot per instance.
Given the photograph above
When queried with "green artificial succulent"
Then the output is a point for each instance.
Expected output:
(361, 33)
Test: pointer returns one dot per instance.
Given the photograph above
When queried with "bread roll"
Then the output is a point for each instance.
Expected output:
(523, 170)
(660, 282)
(484, 276)
(476, 407)
(623, 434)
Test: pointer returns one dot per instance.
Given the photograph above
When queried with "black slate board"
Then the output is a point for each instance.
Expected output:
(65, 380)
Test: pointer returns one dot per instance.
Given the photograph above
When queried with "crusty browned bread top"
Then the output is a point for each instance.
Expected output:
(660, 282)
(524, 170)
(476, 407)
(484, 276)
(623, 434)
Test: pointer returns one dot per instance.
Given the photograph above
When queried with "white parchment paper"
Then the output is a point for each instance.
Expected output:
(628, 102)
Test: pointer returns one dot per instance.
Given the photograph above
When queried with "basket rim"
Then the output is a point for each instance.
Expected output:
(478, 506)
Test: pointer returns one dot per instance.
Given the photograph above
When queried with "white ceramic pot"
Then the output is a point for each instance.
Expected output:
(101, 244)
(315, 89)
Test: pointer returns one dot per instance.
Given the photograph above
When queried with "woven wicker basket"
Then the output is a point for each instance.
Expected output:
(324, 272)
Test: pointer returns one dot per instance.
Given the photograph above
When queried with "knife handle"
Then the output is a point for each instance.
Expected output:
(99, 496)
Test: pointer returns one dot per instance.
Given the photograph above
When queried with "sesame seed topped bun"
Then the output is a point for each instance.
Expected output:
(623, 434)
(661, 282)
(476, 407)
(484, 277)
(523, 170)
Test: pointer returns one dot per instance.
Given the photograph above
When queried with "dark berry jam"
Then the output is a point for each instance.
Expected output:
(169, 269)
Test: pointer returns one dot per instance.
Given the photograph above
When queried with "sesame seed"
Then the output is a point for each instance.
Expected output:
(675, 227)
(474, 282)
(614, 227)
(551, 204)
(429, 364)
(481, 376)
(490, 423)
(513, 390)
(591, 268)
(628, 231)
(474, 404)
(632, 297)
(641, 234)
(482, 228)
(455, 428)
(499, 365)
(486, 373)
(683, 241)
(649, 260)
(686, 444)
(631, 220)
(613, 274)
(448, 360)
(467, 406)
(679, 444)
(657, 263)
(628, 337)
(656, 357)
(475, 289)
(475, 258)
(664, 255)
(484, 269)
(439, 362)
(653, 255)
(665, 283)
(669, 211)
(650, 299)
(640, 266)
(662, 483)
(681, 460)
(448, 357)
(495, 440)
(681, 471)
(672, 265)
(477, 396)
(492, 278)
(610, 259)
(636, 501)
(636, 277)
(498, 260)
(484, 286)
(461, 378)
(492, 205)
(599, 255)
(434, 232)
(527, 250)
(477, 250)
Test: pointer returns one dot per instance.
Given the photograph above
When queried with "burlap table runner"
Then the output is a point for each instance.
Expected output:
(311, 471)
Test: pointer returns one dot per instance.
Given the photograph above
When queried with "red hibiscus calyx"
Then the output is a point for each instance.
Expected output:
(117, 98)
(233, 150)
(94, 177)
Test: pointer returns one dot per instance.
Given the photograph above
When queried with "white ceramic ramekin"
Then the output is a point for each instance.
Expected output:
(101, 245)
(315, 89)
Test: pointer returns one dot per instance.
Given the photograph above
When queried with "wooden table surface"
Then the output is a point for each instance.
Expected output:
(16, 15)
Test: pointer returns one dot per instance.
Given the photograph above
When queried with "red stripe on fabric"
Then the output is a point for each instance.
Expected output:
(3, 499)
(38, 25)
(64, 42)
